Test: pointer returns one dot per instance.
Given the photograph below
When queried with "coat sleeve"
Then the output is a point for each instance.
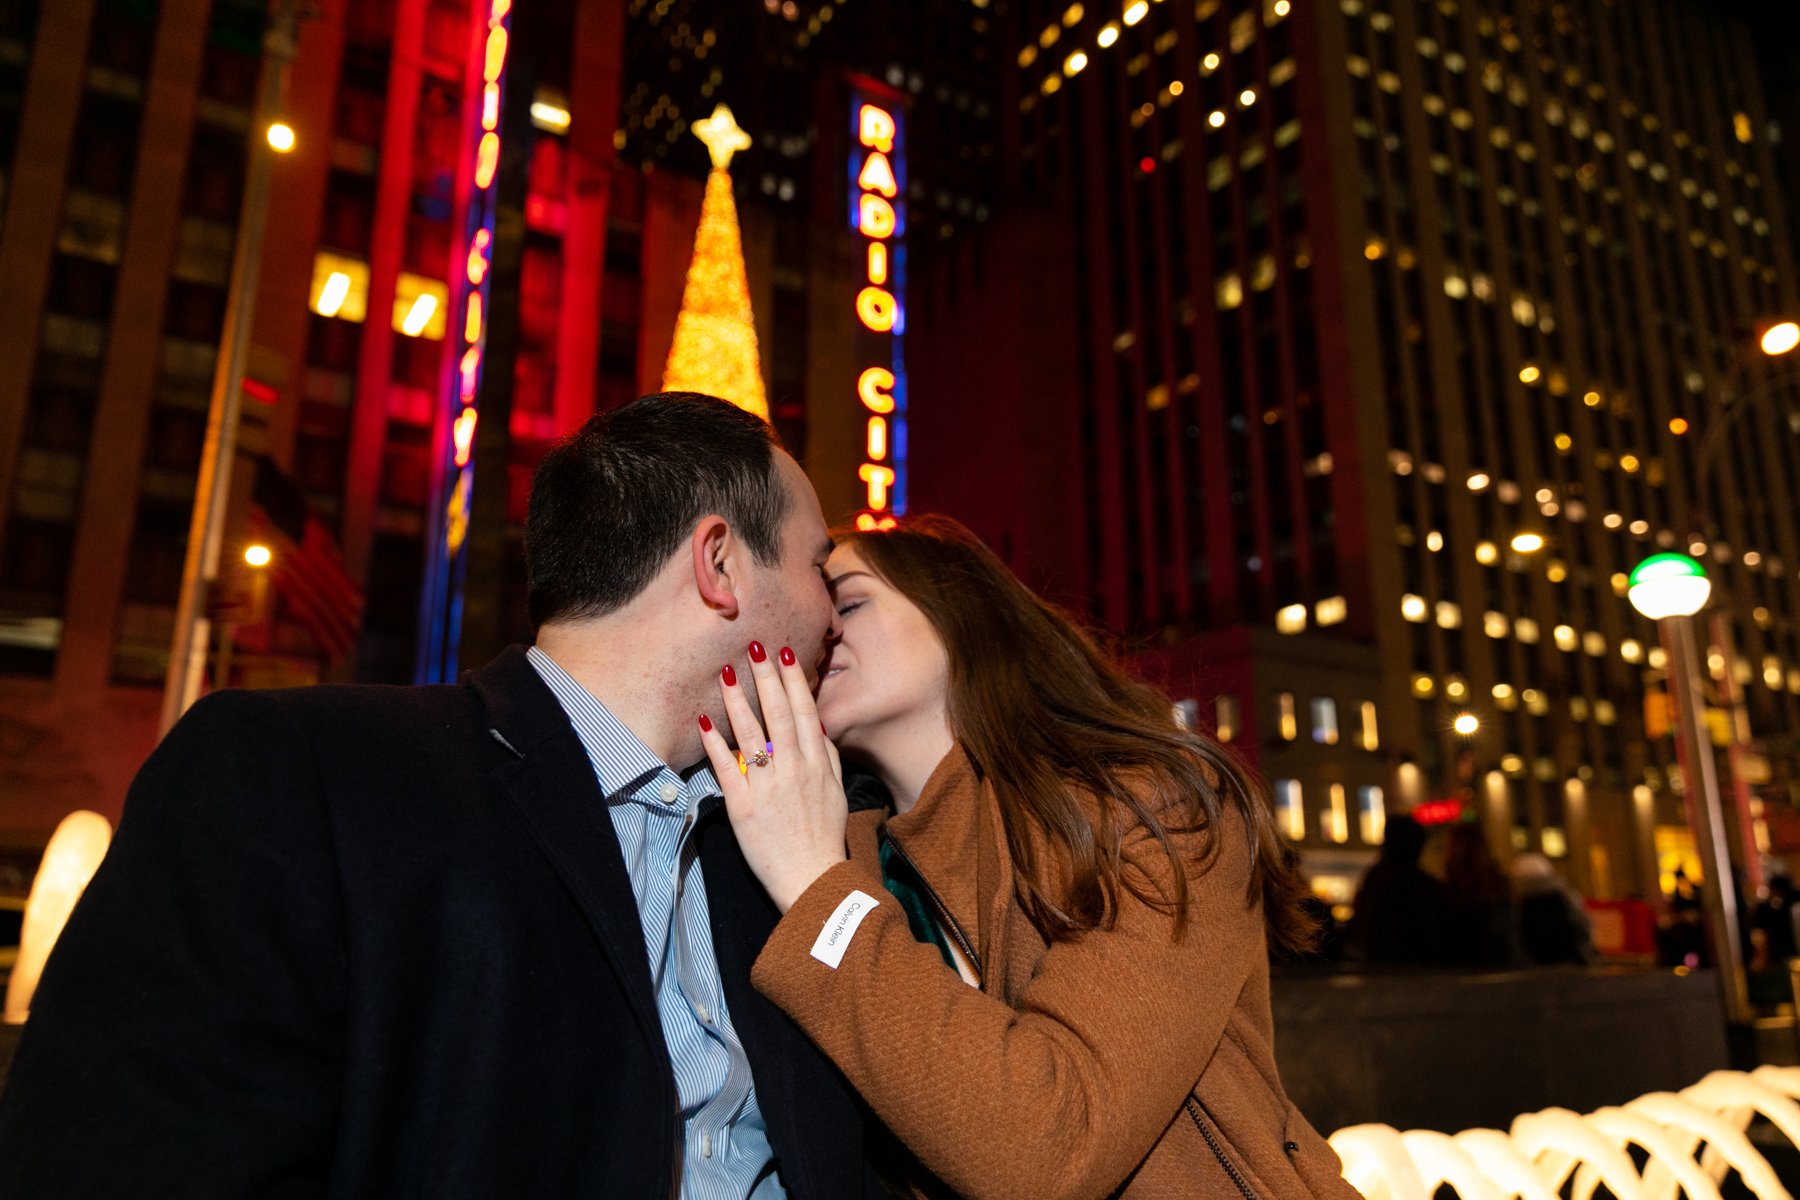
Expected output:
(186, 1037)
(1060, 1094)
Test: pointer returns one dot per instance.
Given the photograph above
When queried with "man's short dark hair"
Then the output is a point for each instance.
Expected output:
(612, 502)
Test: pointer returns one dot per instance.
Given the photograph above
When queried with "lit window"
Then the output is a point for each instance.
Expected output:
(1494, 624)
(1594, 643)
(1324, 721)
(1225, 718)
(1331, 611)
(420, 306)
(1216, 118)
(1413, 608)
(1424, 686)
(1371, 815)
(1072, 15)
(1229, 290)
(1631, 650)
(1075, 62)
(1449, 615)
(1291, 619)
(1565, 637)
(1370, 733)
(1526, 630)
(1108, 35)
(1134, 12)
(1247, 97)
(1486, 553)
(1290, 807)
(1337, 818)
(1289, 719)
(340, 287)
(1210, 63)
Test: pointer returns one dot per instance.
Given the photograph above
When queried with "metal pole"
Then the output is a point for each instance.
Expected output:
(1706, 816)
(212, 492)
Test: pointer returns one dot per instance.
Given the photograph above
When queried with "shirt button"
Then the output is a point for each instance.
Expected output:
(706, 1145)
(670, 793)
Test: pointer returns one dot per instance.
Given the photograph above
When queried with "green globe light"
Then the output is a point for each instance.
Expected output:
(1668, 585)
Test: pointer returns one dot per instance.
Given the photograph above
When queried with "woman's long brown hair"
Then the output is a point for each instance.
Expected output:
(1046, 715)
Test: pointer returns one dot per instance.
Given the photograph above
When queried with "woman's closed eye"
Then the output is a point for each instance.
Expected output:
(847, 607)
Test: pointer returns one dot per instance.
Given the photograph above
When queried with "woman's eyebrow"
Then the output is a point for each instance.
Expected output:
(834, 580)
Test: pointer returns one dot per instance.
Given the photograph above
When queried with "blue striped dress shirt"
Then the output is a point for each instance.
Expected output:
(725, 1153)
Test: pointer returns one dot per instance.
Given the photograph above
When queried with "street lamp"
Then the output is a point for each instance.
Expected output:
(1670, 589)
(1466, 724)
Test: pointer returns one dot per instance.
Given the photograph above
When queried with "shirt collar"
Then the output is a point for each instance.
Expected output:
(624, 766)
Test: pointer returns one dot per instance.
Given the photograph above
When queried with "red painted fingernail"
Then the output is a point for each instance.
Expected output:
(729, 676)
(787, 657)
(757, 653)
(705, 723)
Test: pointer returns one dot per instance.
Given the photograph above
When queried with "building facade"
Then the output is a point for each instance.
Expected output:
(1401, 329)
(125, 129)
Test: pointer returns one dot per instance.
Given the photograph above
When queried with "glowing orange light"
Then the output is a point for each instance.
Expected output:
(487, 159)
(878, 270)
(878, 175)
(878, 438)
(472, 321)
(875, 127)
(478, 261)
(470, 361)
(873, 387)
(879, 479)
(868, 522)
(463, 433)
(496, 54)
(1678, 426)
(877, 308)
(875, 216)
(490, 106)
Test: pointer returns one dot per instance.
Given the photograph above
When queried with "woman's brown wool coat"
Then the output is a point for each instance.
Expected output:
(1068, 1073)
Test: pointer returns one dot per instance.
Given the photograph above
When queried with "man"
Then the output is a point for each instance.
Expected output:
(481, 940)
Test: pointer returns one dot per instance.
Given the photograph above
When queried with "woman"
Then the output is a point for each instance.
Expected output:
(1047, 970)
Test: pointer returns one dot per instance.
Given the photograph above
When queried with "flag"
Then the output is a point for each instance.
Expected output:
(307, 569)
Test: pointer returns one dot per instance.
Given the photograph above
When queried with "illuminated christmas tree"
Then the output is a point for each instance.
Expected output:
(715, 336)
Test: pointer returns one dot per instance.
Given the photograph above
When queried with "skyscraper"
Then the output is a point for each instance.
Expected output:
(1401, 329)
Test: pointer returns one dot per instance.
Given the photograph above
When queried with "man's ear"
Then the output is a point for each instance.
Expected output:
(715, 553)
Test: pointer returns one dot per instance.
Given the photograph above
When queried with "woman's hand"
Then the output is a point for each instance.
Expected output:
(788, 813)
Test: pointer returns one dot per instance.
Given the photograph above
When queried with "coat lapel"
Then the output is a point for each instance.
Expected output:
(547, 775)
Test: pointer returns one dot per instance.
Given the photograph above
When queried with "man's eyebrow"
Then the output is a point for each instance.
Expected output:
(824, 551)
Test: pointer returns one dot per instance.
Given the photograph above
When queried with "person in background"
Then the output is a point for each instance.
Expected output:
(1478, 906)
(1399, 917)
(1554, 928)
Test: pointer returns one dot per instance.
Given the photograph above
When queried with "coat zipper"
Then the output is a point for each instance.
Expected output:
(1193, 1112)
(943, 910)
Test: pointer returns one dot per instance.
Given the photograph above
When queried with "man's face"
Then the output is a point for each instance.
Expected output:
(788, 603)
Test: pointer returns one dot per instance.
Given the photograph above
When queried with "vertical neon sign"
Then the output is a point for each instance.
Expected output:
(453, 439)
(878, 214)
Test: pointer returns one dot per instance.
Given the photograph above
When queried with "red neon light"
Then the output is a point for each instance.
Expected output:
(478, 260)
(879, 479)
(472, 323)
(470, 361)
(877, 308)
(875, 216)
(464, 434)
(490, 106)
(1439, 812)
(873, 386)
(257, 390)
(877, 175)
(875, 128)
(487, 159)
(496, 54)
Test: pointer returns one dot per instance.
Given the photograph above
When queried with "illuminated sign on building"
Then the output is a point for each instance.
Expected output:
(453, 442)
(878, 214)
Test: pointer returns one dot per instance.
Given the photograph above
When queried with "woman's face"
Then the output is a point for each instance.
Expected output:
(887, 675)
